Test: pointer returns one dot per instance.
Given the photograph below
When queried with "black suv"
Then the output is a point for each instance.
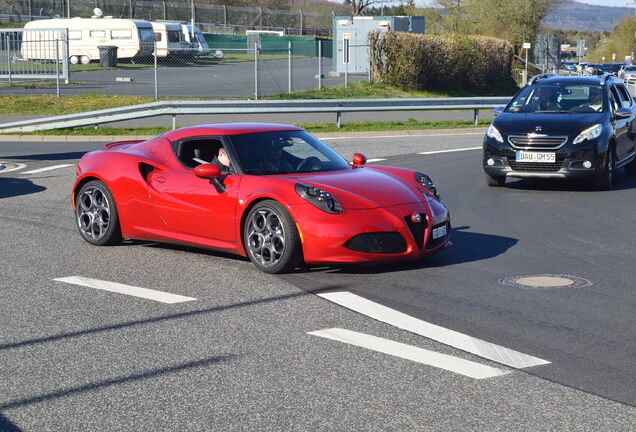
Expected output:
(563, 127)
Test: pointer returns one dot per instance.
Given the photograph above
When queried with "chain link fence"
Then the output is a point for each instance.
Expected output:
(223, 67)
(210, 18)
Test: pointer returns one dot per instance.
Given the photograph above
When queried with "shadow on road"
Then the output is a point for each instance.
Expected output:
(467, 247)
(48, 156)
(622, 182)
(11, 187)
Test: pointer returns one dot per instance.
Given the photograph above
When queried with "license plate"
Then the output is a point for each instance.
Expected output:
(439, 232)
(536, 157)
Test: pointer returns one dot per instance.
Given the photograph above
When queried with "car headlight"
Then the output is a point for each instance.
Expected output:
(494, 133)
(428, 184)
(589, 133)
(320, 198)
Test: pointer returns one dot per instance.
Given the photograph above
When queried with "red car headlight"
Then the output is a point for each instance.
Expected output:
(320, 198)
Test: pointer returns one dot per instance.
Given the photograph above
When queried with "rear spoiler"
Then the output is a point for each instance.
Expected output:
(111, 146)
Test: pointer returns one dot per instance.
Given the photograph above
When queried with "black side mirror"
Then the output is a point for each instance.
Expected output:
(498, 110)
(623, 113)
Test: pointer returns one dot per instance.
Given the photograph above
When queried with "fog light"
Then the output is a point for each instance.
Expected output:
(490, 162)
(587, 164)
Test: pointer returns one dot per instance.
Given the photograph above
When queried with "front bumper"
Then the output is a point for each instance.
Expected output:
(569, 162)
(342, 238)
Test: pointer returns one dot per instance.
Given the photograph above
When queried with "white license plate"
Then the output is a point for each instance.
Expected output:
(439, 232)
(536, 157)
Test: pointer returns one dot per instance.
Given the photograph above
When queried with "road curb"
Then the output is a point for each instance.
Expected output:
(110, 138)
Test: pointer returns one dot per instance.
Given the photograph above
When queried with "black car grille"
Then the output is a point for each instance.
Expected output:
(531, 166)
(433, 243)
(417, 229)
(377, 242)
(533, 142)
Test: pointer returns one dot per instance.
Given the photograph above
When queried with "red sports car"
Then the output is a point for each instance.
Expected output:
(271, 192)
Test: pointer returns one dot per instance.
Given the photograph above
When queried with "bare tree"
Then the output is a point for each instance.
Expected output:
(357, 6)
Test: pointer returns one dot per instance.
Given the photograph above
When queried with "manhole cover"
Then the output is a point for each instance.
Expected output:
(545, 281)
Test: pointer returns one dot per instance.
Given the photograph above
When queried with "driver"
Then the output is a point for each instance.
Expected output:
(273, 160)
(547, 100)
(595, 101)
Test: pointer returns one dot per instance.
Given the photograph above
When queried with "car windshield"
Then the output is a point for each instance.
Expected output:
(285, 152)
(558, 98)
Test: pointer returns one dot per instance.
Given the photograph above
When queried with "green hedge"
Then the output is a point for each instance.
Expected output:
(417, 62)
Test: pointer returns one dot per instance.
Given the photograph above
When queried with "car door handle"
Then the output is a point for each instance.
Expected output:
(160, 179)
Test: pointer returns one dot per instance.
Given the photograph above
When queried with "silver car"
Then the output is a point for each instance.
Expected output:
(627, 72)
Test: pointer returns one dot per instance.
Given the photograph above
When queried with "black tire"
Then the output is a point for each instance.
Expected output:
(605, 178)
(630, 168)
(96, 214)
(493, 181)
(271, 239)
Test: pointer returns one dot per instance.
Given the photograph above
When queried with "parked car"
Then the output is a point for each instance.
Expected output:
(171, 41)
(627, 72)
(563, 127)
(133, 38)
(287, 198)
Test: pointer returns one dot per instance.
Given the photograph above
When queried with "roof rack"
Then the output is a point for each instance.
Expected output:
(540, 77)
(605, 76)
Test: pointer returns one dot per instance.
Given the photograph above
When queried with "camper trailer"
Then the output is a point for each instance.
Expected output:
(133, 38)
(199, 42)
(171, 41)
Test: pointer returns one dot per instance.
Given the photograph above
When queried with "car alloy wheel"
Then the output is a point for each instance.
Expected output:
(271, 238)
(96, 214)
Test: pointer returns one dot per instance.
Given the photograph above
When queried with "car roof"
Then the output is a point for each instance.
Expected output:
(589, 80)
(227, 129)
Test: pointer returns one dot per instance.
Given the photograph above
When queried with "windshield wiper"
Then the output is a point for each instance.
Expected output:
(553, 111)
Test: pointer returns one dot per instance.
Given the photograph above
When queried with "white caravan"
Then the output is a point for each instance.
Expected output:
(171, 41)
(199, 42)
(133, 38)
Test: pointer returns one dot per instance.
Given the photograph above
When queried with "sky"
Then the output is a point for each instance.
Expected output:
(624, 3)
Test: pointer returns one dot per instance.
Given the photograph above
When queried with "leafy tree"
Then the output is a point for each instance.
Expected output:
(619, 41)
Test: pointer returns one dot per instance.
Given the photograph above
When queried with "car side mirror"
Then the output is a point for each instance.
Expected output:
(623, 113)
(359, 160)
(213, 173)
(497, 110)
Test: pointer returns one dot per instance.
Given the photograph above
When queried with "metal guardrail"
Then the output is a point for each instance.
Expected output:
(174, 108)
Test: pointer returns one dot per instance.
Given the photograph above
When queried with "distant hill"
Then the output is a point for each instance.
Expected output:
(573, 15)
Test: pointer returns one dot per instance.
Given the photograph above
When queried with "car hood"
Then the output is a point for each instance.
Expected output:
(364, 187)
(550, 123)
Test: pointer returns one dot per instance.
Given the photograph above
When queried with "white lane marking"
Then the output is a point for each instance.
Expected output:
(18, 166)
(451, 151)
(402, 136)
(409, 352)
(40, 170)
(375, 160)
(159, 296)
(455, 339)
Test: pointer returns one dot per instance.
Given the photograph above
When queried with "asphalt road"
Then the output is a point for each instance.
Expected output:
(240, 356)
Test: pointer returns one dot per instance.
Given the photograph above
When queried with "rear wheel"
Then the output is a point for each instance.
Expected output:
(271, 239)
(74, 59)
(96, 214)
(85, 60)
(605, 178)
(495, 181)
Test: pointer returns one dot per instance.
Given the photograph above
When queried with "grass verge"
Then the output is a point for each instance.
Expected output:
(323, 127)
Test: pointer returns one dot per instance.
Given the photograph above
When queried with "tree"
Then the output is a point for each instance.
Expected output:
(455, 18)
(357, 6)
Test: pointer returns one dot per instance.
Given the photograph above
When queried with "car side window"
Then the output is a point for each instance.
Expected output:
(614, 99)
(626, 99)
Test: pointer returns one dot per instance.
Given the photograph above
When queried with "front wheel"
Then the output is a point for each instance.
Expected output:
(605, 178)
(271, 239)
(630, 168)
(495, 181)
(96, 214)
